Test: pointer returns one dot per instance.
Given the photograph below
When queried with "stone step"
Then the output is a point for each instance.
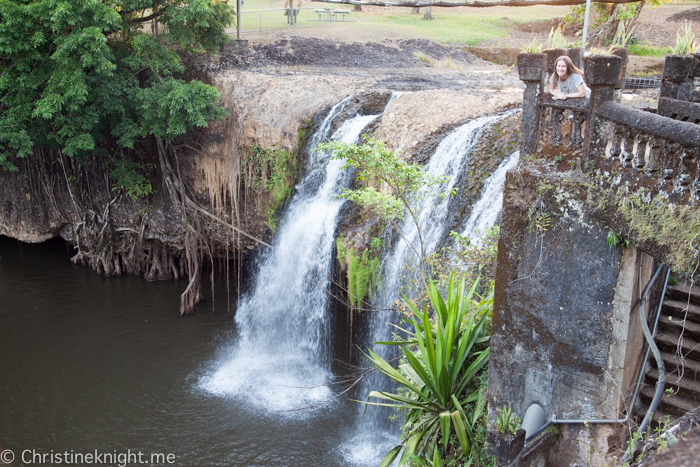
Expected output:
(689, 368)
(682, 290)
(662, 419)
(677, 310)
(686, 387)
(674, 325)
(673, 406)
(668, 342)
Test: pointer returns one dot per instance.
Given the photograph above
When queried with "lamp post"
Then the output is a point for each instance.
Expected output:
(238, 19)
(585, 31)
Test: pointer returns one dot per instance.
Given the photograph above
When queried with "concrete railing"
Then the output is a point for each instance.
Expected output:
(554, 113)
(665, 149)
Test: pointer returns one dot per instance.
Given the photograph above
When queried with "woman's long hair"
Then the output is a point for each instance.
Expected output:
(570, 68)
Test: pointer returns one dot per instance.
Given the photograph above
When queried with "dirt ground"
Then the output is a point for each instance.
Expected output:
(657, 26)
(390, 64)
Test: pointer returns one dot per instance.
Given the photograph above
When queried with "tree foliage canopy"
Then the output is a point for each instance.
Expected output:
(94, 76)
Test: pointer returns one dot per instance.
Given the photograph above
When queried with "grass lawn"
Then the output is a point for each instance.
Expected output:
(647, 50)
(459, 25)
(494, 26)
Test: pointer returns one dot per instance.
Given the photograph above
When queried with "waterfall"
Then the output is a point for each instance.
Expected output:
(376, 433)
(281, 357)
(486, 211)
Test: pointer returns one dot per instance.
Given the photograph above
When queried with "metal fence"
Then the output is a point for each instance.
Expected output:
(291, 18)
(635, 82)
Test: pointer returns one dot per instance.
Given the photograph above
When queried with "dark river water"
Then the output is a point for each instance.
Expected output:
(92, 363)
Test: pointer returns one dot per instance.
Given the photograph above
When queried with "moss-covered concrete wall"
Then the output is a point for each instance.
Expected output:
(565, 333)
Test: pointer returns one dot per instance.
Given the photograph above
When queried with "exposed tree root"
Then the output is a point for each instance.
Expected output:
(167, 236)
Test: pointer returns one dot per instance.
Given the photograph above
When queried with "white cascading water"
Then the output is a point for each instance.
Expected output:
(486, 211)
(376, 433)
(281, 359)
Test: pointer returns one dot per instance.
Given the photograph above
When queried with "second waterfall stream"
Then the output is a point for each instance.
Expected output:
(376, 431)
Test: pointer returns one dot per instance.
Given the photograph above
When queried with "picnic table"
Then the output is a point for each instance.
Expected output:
(330, 14)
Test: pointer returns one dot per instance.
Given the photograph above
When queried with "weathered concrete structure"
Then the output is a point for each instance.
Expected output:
(566, 328)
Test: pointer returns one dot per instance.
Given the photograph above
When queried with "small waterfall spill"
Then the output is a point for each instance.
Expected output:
(281, 359)
(376, 433)
(485, 211)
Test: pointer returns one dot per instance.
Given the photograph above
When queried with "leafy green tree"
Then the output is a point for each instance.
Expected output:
(96, 77)
(404, 186)
(107, 78)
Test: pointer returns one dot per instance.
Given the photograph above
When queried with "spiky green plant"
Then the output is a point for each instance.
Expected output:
(622, 36)
(533, 47)
(685, 43)
(506, 422)
(438, 379)
(556, 39)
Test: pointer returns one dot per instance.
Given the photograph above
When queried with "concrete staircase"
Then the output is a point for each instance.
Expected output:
(680, 313)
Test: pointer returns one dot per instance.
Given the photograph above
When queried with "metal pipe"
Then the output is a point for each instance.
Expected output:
(656, 324)
(661, 382)
(652, 348)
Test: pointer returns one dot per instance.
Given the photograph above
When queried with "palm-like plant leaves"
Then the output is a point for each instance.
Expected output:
(437, 374)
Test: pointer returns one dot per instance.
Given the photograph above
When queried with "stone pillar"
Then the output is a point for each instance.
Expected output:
(575, 55)
(531, 68)
(622, 53)
(602, 75)
(694, 71)
(676, 69)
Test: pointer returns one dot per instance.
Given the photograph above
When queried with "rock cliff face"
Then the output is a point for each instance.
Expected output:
(240, 171)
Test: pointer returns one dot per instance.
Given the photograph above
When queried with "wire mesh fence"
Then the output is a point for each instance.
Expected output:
(635, 82)
(292, 18)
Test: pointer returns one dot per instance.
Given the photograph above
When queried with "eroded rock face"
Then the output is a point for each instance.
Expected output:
(415, 115)
(276, 95)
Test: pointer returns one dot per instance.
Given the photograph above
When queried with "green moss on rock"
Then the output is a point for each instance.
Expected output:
(361, 269)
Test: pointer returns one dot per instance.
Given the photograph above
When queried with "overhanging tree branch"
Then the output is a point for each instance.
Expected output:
(478, 4)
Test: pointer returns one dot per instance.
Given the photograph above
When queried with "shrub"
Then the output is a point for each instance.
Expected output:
(441, 378)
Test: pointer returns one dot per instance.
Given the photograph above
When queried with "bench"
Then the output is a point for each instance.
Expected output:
(340, 12)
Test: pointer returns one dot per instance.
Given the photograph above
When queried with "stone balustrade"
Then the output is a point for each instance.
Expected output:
(555, 113)
(664, 148)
